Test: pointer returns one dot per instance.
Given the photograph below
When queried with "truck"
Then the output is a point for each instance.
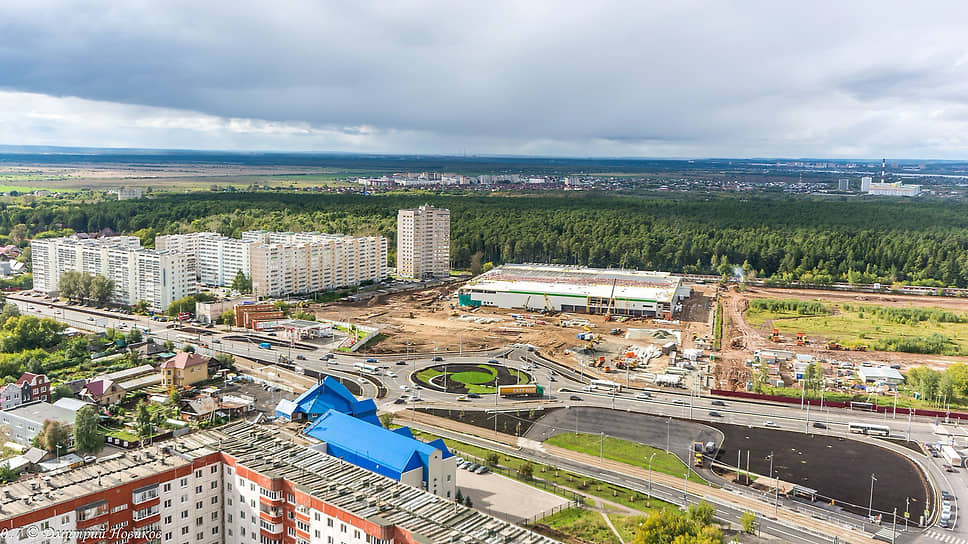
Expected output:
(951, 456)
(529, 390)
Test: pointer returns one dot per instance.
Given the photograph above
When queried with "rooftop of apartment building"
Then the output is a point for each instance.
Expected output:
(29, 494)
(271, 453)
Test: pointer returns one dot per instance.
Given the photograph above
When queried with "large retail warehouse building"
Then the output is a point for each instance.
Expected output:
(577, 289)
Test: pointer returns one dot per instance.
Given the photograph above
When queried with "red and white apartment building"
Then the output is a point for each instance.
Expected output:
(239, 484)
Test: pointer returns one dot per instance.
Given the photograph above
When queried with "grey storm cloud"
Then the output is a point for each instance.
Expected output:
(543, 77)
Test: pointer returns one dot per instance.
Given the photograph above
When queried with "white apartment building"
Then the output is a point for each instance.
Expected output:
(305, 262)
(281, 263)
(423, 242)
(157, 277)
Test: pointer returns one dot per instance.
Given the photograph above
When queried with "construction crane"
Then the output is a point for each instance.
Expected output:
(611, 301)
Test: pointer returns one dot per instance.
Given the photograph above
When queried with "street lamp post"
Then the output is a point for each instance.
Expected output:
(907, 512)
(870, 502)
(668, 433)
(601, 450)
(650, 479)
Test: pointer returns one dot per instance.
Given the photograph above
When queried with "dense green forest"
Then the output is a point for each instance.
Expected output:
(821, 240)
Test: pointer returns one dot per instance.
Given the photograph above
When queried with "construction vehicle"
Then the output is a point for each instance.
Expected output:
(616, 332)
(834, 346)
(607, 369)
(801, 339)
(775, 337)
(861, 348)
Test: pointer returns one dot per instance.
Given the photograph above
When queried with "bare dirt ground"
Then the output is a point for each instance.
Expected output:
(742, 339)
(436, 322)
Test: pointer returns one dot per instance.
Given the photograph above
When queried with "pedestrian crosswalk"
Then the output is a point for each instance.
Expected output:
(944, 536)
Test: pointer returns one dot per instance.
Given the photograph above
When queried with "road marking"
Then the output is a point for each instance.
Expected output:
(948, 538)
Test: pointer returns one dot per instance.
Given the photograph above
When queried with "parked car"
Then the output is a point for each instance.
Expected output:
(482, 470)
(946, 495)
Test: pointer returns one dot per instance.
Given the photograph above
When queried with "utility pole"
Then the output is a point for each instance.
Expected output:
(870, 503)
(601, 450)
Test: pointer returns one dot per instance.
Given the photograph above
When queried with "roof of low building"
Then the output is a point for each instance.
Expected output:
(40, 411)
(185, 360)
(326, 395)
(98, 386)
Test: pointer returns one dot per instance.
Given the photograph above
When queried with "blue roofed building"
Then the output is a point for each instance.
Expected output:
(326, 395)
(395, 454)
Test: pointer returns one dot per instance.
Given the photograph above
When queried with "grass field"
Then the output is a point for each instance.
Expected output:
(853, 327)
(562, 478)
(583, 524)
(624, 451)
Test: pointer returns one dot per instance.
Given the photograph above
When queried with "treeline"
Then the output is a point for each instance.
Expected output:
(907, 316)
(799, 307)
(785, 239)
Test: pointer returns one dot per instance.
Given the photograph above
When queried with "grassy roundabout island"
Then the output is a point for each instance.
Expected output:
(466, 378)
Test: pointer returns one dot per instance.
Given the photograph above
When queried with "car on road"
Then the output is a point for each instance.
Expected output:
(492, 361)
(371, 360)
(438, 358)
(574, 397)
(405, 388)
(644, 395)
(399, 362)
(551, 378)
(946, 495)
(463, 398)
(399, 401)
(90, 318)
(819, 425)
(301, 357)
(588, 388)
(473, 396)
(714, 413)
(679, 402)
(718, 403)
(770, 424)
(948, 468)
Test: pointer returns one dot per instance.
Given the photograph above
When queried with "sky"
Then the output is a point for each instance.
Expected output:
(555, 78)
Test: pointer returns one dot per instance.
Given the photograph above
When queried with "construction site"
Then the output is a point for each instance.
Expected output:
(603, 344)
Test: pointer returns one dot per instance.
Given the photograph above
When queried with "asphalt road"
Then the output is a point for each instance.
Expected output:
(561, 383)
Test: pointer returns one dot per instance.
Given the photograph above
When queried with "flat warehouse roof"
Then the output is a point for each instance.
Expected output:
(631, 285)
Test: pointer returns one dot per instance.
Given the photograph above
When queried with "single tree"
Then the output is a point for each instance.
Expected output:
(87, 439)
(52, 435)
(143, 422)
(748, 521)
(526, 471)
(241, 283)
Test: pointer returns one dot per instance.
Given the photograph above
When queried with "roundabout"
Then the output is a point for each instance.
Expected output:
(464, 378)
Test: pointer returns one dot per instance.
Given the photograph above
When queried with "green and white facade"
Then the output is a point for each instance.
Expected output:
(537, 287)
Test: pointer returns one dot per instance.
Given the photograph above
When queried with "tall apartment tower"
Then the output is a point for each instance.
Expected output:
(423, 243)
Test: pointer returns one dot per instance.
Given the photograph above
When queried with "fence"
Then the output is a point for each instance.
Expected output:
(840, 404)
(550, 512)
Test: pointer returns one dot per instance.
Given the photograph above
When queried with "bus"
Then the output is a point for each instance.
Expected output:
(364, 368)
(606, 385)
(869, 428)
(867, 406)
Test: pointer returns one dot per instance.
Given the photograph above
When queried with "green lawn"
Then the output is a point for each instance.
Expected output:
(562, 478)
(583, 524)
(853, 328)
(624, 451)
(626, 525)
(471, 378)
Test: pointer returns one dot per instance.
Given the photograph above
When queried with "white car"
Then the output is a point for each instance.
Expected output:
(644, 396)
(770, 424)
(405, 388)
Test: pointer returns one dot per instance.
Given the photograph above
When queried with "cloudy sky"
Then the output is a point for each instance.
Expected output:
(660, 79)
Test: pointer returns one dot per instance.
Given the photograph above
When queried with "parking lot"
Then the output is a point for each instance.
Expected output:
(505, 498)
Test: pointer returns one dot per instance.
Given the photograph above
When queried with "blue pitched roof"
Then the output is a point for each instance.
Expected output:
(369, 446)
(330, 394)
